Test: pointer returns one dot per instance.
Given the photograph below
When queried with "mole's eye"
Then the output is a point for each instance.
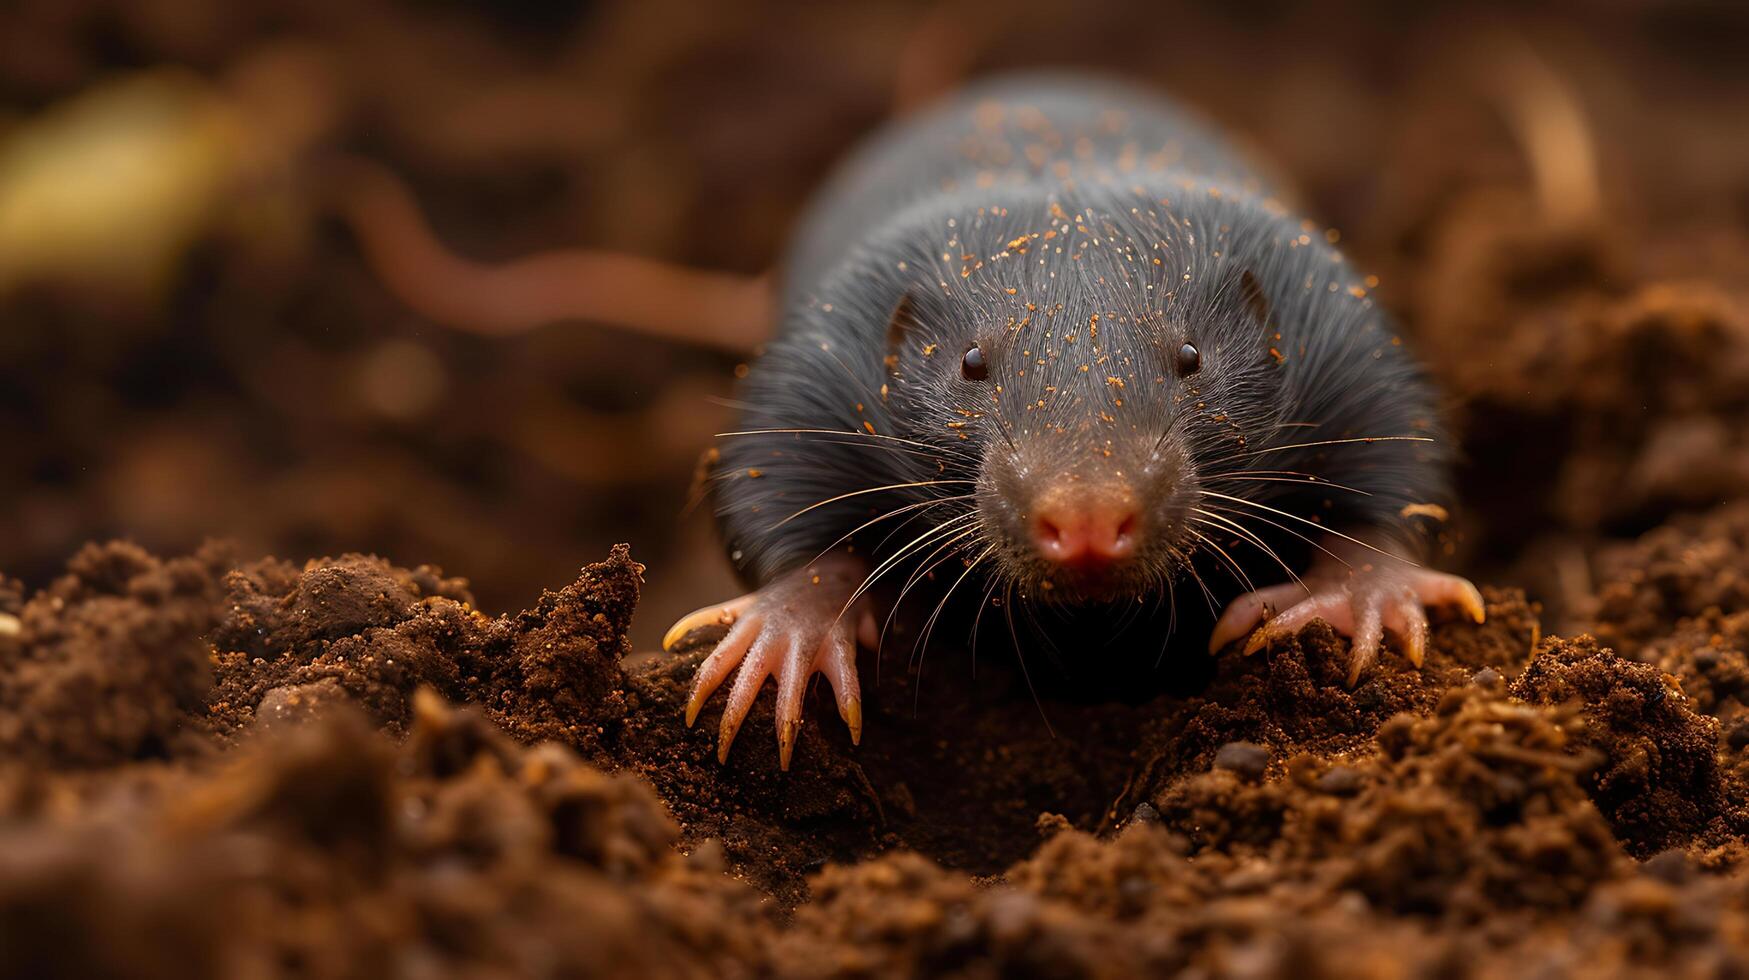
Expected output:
(973, 366)
(1189, 360)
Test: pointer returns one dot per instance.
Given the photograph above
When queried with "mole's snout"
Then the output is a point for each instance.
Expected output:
(1081, 527)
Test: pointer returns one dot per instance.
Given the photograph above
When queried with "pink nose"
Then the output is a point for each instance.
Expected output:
(1085, 532)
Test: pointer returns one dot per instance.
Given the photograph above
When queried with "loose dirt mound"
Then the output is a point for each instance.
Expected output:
(295, 794)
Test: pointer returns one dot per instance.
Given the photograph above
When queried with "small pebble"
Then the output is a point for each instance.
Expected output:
(708, 856)
(1144, 813)
(1486, 677)
(1134, 890)
(1672, 866)
(1248, 759)
(1051, 824)
(295, 704)
(1341, 781)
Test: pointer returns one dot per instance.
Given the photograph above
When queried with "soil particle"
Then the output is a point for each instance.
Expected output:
(107, 662)
(278, 611)
(561, 676)
(377, 632)
(1473, 807)
(1660, 783)
(1243, 758)
(563, 815)
(902, 915)
(325, 849)
(1697, 565)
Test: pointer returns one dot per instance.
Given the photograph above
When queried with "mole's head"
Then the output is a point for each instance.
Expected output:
(1089, 405)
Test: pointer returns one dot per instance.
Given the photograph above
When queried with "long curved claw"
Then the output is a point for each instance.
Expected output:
(716, 614)
(1408, 619)
(1441, 589)
(835, 657)
(1333, 608)
(730, 651)
(768, 653)
(838, 663)
(792, 678)
(1250, 609)
(793, 628)
(1369, 636)
(1360, 600)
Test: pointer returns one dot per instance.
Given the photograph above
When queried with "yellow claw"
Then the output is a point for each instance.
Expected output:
(1355, 668)
(1416, 647)
(786, 743)
(853, 719)
(1259, 639)
(725, 739)
(1221, 636)
(715, 614)
(1472, 603)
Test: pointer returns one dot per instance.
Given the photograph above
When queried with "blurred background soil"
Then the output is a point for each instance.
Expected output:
(192, 344)
(198, 340)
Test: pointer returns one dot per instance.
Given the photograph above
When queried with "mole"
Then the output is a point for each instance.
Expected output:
(1054, 343)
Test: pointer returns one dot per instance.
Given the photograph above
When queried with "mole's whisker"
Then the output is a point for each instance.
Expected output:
(1282, 476)
(1276, 510)
(1132, 611)
(1020, 655)
(1171, 619)
(1189, 565)
(922, 645)
(916, 545)
(1284, 529)
(1242, 452)
(919, 505)
(978, 620)
(922, 571)
(881, 545)
(1231, 565)
(868, 490)
(1252, 538)
(1358, 440)
(921, 541)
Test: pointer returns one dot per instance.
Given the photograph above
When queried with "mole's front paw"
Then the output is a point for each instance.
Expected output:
(1360, 593)
(793, 627)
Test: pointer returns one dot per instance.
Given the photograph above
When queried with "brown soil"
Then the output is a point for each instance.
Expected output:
(219, 765)
(223, 768)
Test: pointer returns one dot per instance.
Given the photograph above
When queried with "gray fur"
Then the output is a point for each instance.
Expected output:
(1130, 238)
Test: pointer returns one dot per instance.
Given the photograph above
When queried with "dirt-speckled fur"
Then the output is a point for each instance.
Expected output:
(1079, 233)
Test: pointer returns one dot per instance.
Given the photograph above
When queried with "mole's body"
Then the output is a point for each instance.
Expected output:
(1055, 342)
(1042, 131)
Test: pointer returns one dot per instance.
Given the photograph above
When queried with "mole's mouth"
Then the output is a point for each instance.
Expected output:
(1090, 584)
